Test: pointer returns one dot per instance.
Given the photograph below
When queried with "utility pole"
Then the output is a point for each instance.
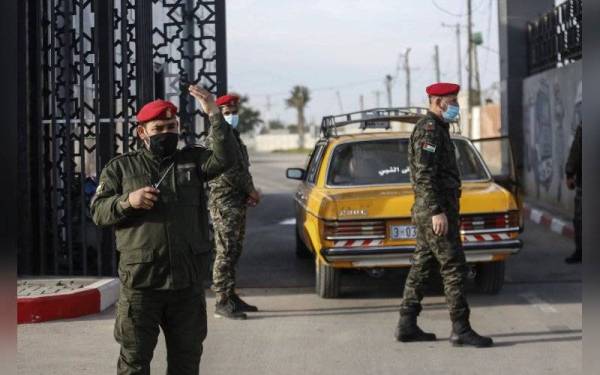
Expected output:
(377, 93)
(477, 99)
(339, 98)
(361, 101)
(458, 51)
(436, 61)
(407, 73)
(388, 89)
(470, 75)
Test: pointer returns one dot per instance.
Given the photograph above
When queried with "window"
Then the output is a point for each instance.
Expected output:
(314, 162)
(386, 162)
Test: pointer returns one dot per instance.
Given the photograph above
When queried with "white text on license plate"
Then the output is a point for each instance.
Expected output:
(403, 232)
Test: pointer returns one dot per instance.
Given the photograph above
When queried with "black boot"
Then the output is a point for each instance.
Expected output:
(574, 258)
(463, 334)
(225, 308)
(408, 330)
(241, 305)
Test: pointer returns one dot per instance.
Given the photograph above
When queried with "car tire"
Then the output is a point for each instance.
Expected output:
(327, 282)
(490, 277)
(302, 250)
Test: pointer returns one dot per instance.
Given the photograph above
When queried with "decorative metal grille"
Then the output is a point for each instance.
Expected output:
(554, 39)
(90, 93)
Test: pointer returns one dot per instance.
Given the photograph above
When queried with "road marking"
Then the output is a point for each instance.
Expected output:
(557, 225)
(290, 221)
(538, 303)
(536, 215)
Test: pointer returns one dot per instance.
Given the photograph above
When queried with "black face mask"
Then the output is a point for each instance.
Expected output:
(164, 144)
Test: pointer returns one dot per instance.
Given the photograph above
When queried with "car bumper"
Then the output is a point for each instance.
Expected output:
(390, 256)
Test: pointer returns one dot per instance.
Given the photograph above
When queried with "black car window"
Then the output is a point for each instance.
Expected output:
(313, 164)
(386, 162)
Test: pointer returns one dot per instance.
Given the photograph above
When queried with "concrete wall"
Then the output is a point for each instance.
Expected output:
(551, 112)
(272, 142)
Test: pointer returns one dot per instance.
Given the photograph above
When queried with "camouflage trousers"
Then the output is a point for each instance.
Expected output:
(182, 316)
(433, 253)
(229, 222)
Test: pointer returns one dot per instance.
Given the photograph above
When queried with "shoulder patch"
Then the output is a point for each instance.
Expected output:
(430, 126)
(429, 147)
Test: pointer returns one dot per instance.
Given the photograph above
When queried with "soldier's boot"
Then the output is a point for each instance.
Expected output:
(574, 258)
(408, 330)
(463, 334)
(225, 308)
(241, 305)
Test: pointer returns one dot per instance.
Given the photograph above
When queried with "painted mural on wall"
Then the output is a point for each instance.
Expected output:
(551, 111)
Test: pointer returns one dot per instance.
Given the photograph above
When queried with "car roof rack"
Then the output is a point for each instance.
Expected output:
(376, 118)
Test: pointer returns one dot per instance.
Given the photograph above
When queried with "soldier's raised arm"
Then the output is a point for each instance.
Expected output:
(222, 154)
(425, 142)
(110, 205)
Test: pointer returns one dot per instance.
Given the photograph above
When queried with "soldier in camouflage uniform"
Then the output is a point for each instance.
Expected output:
(436, 184)
(573, 171)
(154, 199)
(230, 194)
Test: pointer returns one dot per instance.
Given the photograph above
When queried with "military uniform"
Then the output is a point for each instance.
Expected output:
(436, 183)
(227, 203)
(163, 251)
(574, 169)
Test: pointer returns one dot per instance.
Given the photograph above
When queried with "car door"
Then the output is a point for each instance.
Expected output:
(498, 155)
(305, 188)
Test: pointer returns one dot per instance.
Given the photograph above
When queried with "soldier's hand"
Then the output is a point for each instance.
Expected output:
(205, 98)
(571, 183)
(440, 224)
(254, 198)
(143, 198)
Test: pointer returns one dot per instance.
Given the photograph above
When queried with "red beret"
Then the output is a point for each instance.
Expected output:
(442, 89)
(157, 110)
(229, 99)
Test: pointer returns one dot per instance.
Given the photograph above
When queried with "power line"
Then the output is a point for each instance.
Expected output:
(443, 10)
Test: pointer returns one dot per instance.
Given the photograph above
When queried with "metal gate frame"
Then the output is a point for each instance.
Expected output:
(90, 65)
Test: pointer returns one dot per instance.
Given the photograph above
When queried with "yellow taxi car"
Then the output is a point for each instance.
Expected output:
(353, 205)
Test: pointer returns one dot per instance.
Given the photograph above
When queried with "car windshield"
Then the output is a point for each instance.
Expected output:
(386, 162)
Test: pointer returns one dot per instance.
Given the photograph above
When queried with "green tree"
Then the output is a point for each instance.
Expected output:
(275, 125)
(299, 97)
(249, 117)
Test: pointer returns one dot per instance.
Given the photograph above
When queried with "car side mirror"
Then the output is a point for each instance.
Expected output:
(295, 173)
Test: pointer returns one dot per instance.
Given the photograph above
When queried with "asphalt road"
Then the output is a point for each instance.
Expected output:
(535, 320)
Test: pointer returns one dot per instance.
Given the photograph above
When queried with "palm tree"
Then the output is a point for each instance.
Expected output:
(298, 99)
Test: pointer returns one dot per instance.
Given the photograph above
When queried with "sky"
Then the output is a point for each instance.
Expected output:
(348, 47)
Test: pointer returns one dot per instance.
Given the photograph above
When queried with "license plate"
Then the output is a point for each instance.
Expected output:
(403, 232)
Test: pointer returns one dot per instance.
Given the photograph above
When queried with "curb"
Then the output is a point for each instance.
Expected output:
(91, 299)
(555, 224)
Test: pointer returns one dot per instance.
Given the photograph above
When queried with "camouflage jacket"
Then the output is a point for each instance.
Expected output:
(162, 248)
(433, 169)
(573, 167)
(237, 181)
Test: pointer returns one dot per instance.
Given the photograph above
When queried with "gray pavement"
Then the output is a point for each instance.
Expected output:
(535, 320)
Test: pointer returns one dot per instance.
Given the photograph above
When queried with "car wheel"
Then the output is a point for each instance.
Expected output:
(327, 283)
(490, 277)
(302, 251)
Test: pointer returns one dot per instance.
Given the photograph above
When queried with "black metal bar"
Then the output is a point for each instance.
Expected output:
(554, 39)
(124, 76)
(43, 171)
(66, 95)
(82, 150)
(143, 52)
(105, 145)
(221, 50)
